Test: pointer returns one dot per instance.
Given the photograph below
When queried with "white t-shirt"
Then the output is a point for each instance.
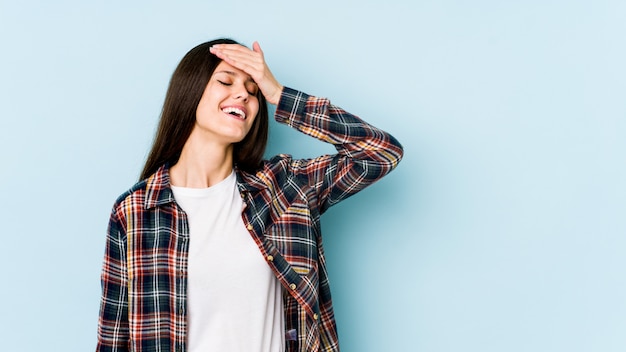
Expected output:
(234, 301)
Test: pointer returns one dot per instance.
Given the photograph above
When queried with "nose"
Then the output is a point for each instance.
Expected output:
(240, 92)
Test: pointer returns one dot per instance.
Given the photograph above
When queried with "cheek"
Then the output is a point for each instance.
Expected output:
(205, 107)
(201, 111)
(255, 106)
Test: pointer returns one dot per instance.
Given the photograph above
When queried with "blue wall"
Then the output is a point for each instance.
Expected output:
(504, 228)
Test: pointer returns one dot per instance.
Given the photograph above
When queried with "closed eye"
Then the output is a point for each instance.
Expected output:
(252, 88)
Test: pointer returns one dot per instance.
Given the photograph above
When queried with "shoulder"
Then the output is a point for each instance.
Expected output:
(132, 198)
(284, 168)
(129, 202)
(279, 160)
(272, 173)
(304, 169)
(286, 164)
(147, 193)
(137, 191)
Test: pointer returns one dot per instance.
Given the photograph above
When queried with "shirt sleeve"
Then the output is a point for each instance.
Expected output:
(364, 153)
(113, 330)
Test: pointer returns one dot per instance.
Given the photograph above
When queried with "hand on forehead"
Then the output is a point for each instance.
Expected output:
(252, 62)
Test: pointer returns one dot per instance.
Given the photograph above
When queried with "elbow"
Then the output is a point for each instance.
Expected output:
(384, 159)
(389, 156)
(396, 150)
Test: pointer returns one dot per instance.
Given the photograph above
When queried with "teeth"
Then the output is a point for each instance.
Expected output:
(238, 112)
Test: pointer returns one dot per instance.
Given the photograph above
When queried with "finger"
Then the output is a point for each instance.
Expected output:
(256, 47)
(232, 48)
(254, 65)
(250, 66)
(234, 55)
(238, 55)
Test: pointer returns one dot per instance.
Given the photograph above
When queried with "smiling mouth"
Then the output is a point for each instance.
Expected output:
(235, 112)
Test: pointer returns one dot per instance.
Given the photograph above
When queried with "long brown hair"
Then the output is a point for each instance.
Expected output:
(178, 116)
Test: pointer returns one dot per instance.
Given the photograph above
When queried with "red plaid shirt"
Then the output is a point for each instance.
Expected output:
(144, 276)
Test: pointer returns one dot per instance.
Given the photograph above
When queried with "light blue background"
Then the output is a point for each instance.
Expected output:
(504, 228)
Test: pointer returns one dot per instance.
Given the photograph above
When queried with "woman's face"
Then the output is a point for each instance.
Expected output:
(228, 105)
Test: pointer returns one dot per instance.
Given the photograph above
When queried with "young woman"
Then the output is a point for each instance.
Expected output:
(216, 249)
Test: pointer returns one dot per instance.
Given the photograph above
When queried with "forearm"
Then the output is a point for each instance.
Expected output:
(364, 153)
(352, 136)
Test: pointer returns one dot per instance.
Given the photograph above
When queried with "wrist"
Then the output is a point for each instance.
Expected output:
(275, 97)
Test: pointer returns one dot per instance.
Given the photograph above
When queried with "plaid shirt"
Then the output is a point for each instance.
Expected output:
(144, 276)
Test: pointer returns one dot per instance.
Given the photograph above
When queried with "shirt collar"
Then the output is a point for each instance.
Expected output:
(159, 192)
(251, 182)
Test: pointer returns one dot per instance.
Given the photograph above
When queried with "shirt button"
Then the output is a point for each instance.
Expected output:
(249, 227)
(270, 257)
(315, 316)
(292, 286)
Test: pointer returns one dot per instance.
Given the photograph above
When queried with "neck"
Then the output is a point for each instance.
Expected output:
(202, 164)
